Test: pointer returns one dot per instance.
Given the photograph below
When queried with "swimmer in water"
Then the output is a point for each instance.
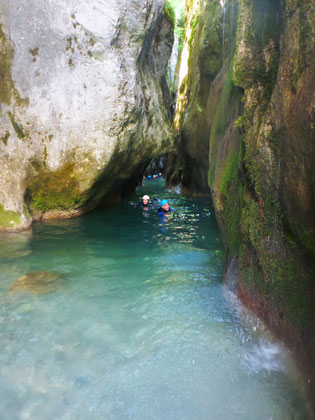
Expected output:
(164, 207)
(145, 203)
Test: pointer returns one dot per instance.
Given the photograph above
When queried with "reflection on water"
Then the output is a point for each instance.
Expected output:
(140, 326)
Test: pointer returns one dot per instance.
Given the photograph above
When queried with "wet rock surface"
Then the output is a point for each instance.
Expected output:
(256, 113)
(38, 283)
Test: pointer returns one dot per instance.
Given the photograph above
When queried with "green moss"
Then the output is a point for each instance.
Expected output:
(230, 172)
(281, 284)
(184, 90)
(8, 218)
(226, 110)
(251, 222)
(7, 88)
(193, 26)
(45, 154)
(5, 138)
(178, 6)
(232, 191)
(17, 127)
(6, 56)
(305, 50)
(54, 190)
(263, 170)
(222, 119)
(251, 274)
(169, 11)
(284, 281)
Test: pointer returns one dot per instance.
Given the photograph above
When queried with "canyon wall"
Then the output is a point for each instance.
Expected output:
(84, 103)
(246, 118)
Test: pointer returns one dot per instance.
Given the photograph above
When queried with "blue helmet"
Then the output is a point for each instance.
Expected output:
(163, 202)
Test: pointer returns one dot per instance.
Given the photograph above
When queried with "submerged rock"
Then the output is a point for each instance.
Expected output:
(38, 282)
(82, 102)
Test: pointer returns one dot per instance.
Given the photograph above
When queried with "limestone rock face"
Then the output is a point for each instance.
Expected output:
(252, 103)
(82, 100)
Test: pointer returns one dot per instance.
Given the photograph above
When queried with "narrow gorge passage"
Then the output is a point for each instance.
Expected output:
(122, 314)
(133, 321)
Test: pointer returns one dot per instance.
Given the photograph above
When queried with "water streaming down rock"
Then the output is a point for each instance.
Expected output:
(140, 327)
(229, 24)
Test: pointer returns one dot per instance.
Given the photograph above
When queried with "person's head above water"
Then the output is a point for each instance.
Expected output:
(164, 205)
(145, 199)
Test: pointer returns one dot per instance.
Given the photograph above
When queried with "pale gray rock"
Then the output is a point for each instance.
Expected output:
(82, 103)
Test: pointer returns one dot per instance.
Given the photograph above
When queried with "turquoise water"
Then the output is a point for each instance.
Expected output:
(139, 325)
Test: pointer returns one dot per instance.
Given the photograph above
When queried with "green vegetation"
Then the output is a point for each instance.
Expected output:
(223, 116)
(169, 12)
(8, 219)
(6, 55)
(55, 190)
(226, 111)
(230, 172)
(175, 9)
(7, 88)
(282, 280)
(232, 191)
(17, 127)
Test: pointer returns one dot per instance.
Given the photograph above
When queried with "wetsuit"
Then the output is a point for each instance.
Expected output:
(162, 211)
(141, 204)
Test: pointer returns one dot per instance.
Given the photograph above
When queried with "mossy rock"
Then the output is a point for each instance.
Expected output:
(7, 88)
(55, 190)
(9, 219)
(169, 12)
(5, 138)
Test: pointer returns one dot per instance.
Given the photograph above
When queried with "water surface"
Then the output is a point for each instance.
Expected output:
(139, 325)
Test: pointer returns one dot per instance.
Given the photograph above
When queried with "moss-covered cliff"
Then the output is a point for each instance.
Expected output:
(84, 103)
(248, 98)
